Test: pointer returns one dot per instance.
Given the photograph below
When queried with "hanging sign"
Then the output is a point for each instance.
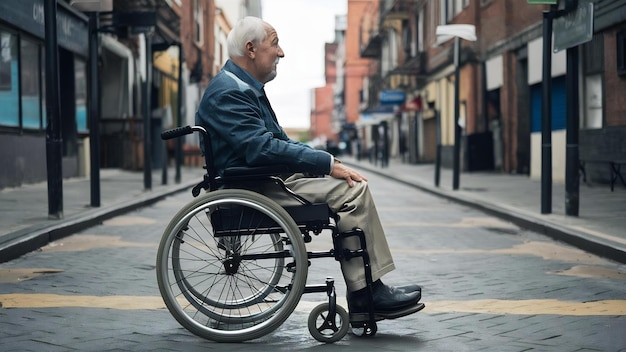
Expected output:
(573, 28)
(392, 97)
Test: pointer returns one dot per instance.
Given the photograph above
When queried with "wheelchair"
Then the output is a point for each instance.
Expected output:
(232, 264)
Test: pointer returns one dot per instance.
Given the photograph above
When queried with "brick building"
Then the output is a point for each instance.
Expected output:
(500, 96)
(322, 127)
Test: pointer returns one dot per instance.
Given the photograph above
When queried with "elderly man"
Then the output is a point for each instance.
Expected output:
(245, 132)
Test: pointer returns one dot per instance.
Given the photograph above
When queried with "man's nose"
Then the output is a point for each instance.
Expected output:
(281, 53)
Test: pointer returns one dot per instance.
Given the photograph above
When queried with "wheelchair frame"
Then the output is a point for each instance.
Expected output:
(210, 258)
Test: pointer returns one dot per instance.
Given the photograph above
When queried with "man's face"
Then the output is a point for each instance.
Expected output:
(267, 55)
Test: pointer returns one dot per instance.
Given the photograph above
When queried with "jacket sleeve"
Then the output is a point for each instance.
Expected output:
(237, 120)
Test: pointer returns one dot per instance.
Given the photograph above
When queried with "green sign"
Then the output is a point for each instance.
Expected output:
(543, 2)
(573, 28)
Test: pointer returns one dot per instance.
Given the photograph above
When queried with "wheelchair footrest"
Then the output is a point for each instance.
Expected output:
(360, 318)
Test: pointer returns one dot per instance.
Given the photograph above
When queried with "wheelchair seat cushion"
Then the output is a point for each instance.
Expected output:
(256, 171)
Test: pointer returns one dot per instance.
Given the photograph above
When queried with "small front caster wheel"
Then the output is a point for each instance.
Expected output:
(325, 328)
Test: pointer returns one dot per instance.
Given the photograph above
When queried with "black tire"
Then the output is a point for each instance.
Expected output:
(321, 330)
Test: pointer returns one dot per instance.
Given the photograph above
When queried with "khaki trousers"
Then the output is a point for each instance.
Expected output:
(355, 207)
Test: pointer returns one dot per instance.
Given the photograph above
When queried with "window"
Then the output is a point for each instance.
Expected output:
(593, 69)
(407, 40)
(80, 79)
(197, 20)
(419, 35)
(449, 9)
(443, 10)
(22, 73)
(9, 93)
(7, 55)
(593, 101)
(30, 61)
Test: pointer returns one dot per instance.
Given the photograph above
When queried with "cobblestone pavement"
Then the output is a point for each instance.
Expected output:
(487, 285)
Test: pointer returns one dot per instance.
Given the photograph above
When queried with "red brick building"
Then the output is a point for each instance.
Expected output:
(322, 104)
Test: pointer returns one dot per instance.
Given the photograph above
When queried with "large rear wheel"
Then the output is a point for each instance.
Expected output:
(231, 265)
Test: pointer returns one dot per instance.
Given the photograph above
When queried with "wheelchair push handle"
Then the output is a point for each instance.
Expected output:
(181, 131)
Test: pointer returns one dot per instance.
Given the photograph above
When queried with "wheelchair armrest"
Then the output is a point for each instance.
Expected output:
(255, 171)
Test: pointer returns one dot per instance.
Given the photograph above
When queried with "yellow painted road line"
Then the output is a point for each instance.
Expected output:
(483, 306)
(45, 300)
(529, 307)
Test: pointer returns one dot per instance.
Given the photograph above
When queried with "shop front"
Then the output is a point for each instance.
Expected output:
(22, 90)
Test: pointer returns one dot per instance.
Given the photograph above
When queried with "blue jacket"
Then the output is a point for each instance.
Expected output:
(244, 130)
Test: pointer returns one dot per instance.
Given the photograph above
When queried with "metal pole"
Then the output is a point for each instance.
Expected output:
(385, 161)
(54, 152)
(94, 110)
(164, 164)
(181, 113)
(457, 127)
(164, 159)
(147, 118)
(546, 114)
(376, 138)
(438, 149)
(572, 183)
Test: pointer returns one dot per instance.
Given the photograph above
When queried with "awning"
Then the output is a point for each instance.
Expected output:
(414, 104)
(375, 115)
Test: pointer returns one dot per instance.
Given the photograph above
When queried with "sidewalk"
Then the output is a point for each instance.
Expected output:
(600, 228)
(24, 222)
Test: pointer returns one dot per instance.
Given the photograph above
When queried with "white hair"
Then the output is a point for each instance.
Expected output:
(247, 29)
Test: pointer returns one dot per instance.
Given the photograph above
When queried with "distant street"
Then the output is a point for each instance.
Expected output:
(487, 285)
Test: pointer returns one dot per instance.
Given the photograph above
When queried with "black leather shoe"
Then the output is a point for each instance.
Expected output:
(385, 299)
(409, 288)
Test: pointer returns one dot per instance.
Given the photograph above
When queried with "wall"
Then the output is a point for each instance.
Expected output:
(321, 116)
(24, 159)
(356, 67)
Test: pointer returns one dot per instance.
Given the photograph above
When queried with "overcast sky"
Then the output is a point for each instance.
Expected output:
(303, 27)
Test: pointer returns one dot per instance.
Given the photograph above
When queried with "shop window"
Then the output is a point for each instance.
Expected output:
(9, 93)
(30, 84)
(80, 79)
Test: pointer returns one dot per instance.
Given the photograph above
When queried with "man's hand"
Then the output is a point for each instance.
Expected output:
(341, 171)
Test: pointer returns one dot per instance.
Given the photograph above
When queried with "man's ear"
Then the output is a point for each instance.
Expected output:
(250, 49)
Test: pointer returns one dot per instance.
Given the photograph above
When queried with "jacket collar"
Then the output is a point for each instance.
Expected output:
(244, 76)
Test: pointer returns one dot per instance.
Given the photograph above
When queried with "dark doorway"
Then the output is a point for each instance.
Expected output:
(523, 117)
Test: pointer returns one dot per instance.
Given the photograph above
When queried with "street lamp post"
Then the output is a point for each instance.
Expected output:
(54, 152)
(458, 31)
